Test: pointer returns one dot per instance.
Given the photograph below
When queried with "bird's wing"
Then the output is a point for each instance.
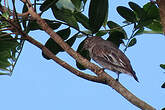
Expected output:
(113, 56)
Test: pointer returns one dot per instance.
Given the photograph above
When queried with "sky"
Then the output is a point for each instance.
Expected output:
(39, 84)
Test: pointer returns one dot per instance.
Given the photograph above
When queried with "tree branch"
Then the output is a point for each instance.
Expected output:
(161, 4)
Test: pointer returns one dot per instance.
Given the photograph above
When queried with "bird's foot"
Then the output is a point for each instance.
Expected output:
(117, 79)
(100, 70)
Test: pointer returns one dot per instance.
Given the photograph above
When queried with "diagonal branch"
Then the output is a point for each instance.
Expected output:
(161, 4)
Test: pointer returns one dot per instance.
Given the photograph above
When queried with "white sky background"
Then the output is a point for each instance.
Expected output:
(39, 84)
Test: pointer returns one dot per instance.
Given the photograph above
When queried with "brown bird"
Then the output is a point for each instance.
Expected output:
(108, 56)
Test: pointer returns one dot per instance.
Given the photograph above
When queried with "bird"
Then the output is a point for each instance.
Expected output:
(107, 55)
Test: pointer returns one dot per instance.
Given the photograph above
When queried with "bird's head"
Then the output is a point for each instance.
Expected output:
(89, 42)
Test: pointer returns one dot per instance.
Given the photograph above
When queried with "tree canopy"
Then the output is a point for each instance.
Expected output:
(70, 23)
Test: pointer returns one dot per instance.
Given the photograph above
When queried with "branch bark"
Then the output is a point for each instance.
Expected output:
(161, 4)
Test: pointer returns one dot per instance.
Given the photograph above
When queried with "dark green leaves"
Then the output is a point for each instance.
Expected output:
(33, 25)
(65, 15)
(137, 9)
(152, 11)
(47, 4)
(53, 46)
(142, 17)
(77, 4)
(71, 41)
(116, 34)
(7, 45)
(8, 50)
(115, 27)
(81, 18)
(64, 33)
(101, 33)
(132, 42)
(84, 53)
(163, 86)
(162, 66)
(97, 14)
(127, 14)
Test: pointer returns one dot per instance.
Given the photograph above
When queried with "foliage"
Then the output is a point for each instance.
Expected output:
(9, 48)
(71, 14)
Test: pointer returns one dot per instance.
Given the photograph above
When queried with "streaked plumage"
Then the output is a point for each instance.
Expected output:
(108, 56)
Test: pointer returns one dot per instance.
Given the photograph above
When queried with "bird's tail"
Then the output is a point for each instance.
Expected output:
(134, 75)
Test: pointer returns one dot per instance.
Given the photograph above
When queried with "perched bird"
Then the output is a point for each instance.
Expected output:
(108, 56)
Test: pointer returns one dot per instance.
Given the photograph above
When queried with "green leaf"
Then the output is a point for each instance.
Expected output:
(97, 14)
(132, 42)
(116, 38)
(66, 4)
(155, 26)
(52, 24)
(162, 66)
(33, 25)
(101, 33)
(71, 41)
(77, 4)
(139, 31)
(4, 55)
(163, 109)
(152, 11)
(7, 45)
(105, 20)
(47, 4)
(127, 14)
(137, 9)
(116, 34)
(53, 47)
(64, 33)
(143, 22)
(65, 15)
(163, 86)
(81, 18)
(115, 27)
(151, 19)
(84, 53)
(4, 73)
(4, 64)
